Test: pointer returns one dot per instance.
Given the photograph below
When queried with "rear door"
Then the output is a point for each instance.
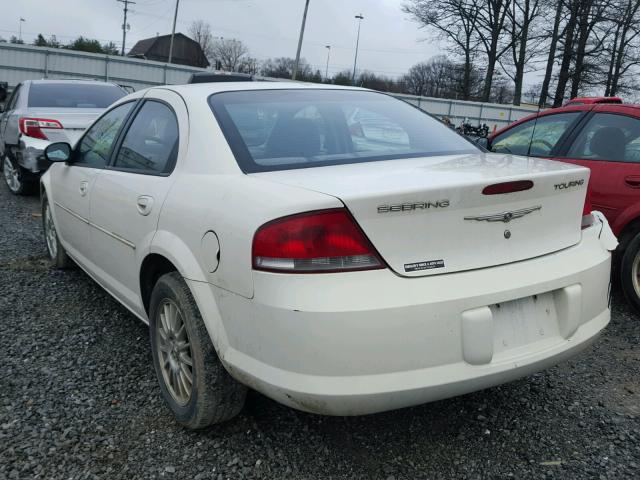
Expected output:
(129, 193)
(609, 144)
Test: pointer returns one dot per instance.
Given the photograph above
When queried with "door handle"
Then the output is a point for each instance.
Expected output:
(632, 181)
(84, 186)
(144, 204)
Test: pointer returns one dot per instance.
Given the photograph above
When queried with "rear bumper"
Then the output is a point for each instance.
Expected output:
(30, 155)
(364, 342)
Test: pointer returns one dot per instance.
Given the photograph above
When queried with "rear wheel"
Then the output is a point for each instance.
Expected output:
(630, 272)
(15, 178)
(194, 384)
(57, 254)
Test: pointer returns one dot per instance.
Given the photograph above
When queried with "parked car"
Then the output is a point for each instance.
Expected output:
(604, 136)
(43, 111)
(338, 270)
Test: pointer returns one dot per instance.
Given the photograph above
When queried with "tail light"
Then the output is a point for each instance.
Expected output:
(320, 241)
(32, 127)
(507, 187)
(587, 217)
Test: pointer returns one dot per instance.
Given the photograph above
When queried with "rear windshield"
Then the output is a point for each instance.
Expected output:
(73, 95)
(286, 129)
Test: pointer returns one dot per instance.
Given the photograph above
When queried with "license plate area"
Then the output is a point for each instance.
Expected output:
(524, 321)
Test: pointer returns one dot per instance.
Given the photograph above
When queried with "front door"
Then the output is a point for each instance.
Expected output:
(129, 194)
(73, 182)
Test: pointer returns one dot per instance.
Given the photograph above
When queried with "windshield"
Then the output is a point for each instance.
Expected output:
(73, 95)
(285, 129)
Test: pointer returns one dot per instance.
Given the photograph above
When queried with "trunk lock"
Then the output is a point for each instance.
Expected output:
(507, 234)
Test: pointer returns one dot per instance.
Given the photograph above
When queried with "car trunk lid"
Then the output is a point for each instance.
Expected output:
(74, 122)
(429, 215)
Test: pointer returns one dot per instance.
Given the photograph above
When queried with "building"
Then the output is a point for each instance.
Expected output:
(185, 50)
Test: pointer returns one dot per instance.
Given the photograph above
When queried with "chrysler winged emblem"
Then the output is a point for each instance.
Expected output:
(505, 217)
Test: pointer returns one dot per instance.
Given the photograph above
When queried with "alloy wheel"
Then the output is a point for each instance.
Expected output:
(175, 355)
(11, 175)
(50, 233)
(635, 274)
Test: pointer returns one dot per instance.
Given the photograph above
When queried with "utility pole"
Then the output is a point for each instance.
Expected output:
(124, 22)
(326, 72)
(173, 31)
(355, 60)
(304, 21)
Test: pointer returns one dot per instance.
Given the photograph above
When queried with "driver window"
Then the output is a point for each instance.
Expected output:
(537, 139)
(95, 146)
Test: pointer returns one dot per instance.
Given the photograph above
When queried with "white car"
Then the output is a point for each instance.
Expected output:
(272, 242)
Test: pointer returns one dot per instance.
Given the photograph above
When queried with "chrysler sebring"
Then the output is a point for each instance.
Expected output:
(336, 249)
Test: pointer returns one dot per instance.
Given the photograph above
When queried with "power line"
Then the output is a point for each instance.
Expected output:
(124, 23)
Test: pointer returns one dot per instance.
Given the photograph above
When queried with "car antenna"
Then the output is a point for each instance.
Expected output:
(535, 124)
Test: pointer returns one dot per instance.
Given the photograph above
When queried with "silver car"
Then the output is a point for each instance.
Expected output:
(40, 112)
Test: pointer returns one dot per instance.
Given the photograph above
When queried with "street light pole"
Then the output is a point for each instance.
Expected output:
(355, 60)
(20, 28)
(173, 31)
(304, 21)
(326, 72)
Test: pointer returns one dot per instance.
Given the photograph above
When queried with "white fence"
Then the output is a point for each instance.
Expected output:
(25, 62)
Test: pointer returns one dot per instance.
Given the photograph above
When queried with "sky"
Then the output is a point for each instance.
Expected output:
(390, 43)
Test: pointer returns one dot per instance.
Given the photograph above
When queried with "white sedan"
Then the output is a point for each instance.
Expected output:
(336, 249)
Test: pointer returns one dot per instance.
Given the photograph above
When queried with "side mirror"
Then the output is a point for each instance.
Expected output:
(58, 152)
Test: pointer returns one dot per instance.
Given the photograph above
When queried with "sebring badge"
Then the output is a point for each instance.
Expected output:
(409, 207)
(505, 217)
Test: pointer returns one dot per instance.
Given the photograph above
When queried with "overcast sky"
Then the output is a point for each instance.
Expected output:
(389, 42)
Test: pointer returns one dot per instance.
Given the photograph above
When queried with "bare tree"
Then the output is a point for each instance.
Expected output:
(229, 53)
(522, 28)
(438, 77)
(455, 21)
(624, 51)
(200, 31)
(553, 36)
(490, 27)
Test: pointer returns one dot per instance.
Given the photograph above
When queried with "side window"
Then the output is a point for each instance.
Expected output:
(95, 146)
(608, 136)
(151, 143)
(372, 132)
(537, 139)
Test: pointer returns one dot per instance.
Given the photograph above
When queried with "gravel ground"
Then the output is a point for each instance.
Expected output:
(79, 400)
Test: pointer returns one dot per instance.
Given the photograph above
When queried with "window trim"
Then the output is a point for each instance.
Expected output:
(587, 118)
(244, 159)
(13, 98)
(560, 144)
(123, 133)
(73, 161)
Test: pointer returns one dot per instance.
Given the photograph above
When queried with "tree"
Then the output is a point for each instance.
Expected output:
(522, 28)
(342, 78)
(490, 27)
(553, 37)
(282, 67)
(248, 65)
(16, 40)
(200, 31)
(454, 21)
(229, 52)
(624, 52)
(438, 77)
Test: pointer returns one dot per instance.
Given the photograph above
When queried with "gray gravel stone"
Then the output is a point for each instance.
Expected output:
(79, 400)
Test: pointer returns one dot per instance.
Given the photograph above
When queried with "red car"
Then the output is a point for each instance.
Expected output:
(603, 135)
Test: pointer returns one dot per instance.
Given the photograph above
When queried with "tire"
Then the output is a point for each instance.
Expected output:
(212, 395)
(630, 271)
(57, 255)
(14, 177)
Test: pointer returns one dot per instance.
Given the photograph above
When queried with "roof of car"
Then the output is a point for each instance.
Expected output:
(69, 81)
(204, 90)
